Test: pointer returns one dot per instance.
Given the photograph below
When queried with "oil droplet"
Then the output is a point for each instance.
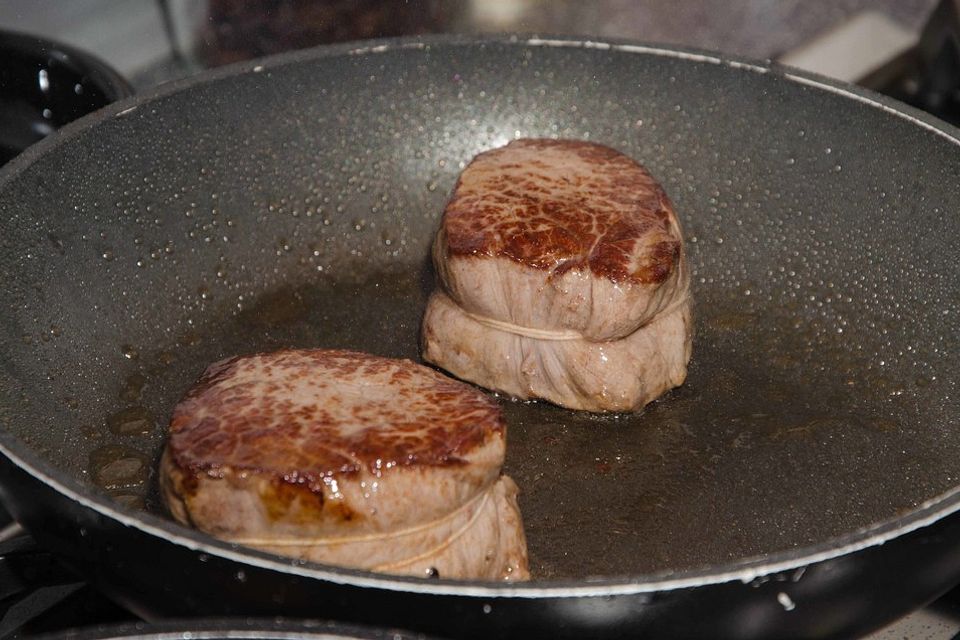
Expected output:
(189, 339)
(118, 467)
(129, 352)
(129, 500)
(284, 306)
(130, 421)
(132, 387)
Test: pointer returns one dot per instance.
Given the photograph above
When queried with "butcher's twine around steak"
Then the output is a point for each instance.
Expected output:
(545, 334)
(619, 375)
(563, 276)
(471, 507)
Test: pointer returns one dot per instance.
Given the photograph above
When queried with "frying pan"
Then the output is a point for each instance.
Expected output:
(231, 629)
(802, 483)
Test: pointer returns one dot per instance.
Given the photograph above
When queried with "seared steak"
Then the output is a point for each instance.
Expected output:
(346, 458)
(560, 235)
(563, 277)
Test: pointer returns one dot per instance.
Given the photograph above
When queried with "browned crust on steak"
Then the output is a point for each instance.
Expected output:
(346, 458)
(560, 205)
(229, 422)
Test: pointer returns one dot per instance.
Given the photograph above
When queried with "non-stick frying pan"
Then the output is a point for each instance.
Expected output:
(801, 483)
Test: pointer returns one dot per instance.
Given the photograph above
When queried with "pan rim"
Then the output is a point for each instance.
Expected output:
(744, 570)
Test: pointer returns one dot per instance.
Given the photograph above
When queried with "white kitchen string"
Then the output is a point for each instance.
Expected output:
(546, 334)
(308, 541)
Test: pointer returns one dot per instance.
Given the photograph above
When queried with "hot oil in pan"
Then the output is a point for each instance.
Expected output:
(741, 460)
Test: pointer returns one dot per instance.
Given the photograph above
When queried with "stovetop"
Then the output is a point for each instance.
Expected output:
(40, 595)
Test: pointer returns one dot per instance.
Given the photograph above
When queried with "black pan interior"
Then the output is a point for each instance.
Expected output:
(294, 204)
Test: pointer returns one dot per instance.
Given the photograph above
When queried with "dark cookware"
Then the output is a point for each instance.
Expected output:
(44, 85)
(232, 629)
(801, 484)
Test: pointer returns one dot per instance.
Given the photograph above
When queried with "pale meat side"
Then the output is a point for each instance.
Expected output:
(620, 375)
(329, 455)
(560, 235)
